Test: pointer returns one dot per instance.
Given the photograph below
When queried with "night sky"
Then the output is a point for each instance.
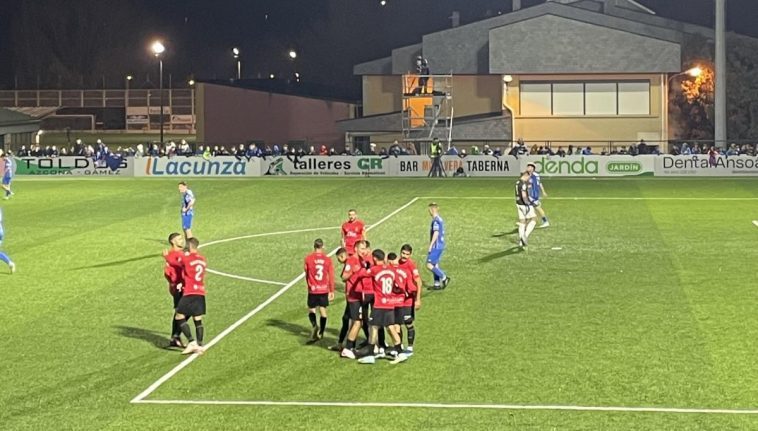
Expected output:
(330, 36)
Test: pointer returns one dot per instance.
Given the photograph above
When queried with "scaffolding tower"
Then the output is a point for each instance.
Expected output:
(427, 109)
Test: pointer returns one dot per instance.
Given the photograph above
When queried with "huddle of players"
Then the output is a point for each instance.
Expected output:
(185, 273)
(382, 292)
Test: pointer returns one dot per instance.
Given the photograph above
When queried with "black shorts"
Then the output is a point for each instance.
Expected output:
(177, 297)
(318, 300)
(382, 317)
(191, 305)
(368, 299)
(355, 310)
(403, 315)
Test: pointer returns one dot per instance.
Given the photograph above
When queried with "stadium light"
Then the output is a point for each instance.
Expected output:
(695, 72)
(158, 49)
(191, 82)
(236, 54)
(293, 54)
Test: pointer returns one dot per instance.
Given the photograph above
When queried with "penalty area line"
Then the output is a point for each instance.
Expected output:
(163, 379)
(616, 409)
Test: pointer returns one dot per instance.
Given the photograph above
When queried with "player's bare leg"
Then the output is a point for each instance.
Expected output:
(530, 225)
(541, 215)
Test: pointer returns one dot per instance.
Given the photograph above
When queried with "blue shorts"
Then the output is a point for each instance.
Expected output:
(434, 256)
(187, 221)
(7, 180)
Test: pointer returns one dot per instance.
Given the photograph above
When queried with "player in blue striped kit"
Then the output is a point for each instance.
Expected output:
(7, 175)
(188, 209)
(536, 191)
(4, 257)
(436, 248)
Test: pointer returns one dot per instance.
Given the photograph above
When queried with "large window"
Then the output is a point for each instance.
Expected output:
(603, 98)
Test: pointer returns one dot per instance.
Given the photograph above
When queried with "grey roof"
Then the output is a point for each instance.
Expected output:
(583, 48)
(486, 127)
(17, 122)
(381, 66)
(618, 24)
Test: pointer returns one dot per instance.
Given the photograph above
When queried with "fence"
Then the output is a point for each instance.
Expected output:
(401, 166)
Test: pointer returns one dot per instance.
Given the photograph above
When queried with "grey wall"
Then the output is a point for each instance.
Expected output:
(553, 44)
(404, 59)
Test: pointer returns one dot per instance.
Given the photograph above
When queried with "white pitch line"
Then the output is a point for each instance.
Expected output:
(621, 409)
(239, 277)
(594, 198)
(257, 235)
(245, 318)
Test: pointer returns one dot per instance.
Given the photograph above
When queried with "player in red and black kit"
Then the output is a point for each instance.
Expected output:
(383, 311)
(173, 271)
(353, 297)
(319, 276)
(353, 230)
(413, 299)
(192, 302)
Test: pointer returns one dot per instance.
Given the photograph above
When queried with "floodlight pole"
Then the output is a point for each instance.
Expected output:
(720, 134)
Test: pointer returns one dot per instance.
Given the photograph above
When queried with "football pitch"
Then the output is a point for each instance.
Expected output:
(636, 309)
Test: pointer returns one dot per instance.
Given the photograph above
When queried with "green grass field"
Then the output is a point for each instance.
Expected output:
(649, 302)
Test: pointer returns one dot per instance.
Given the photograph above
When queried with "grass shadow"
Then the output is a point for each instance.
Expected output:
(151, 337)
(508, 252)
(117, 262)
(300, 331)
(500, 235)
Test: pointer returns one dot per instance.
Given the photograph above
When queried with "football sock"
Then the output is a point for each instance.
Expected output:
(312, 318)
(4, 257)
(411, 335)
(399, 348)
(200, 331)
(345, 327)
(521, 230)
(185, 329)
(176, 330)
(323, 325)
(436, 278)
(381, 338)
(370, 349)
(350, 344)
(530, 228)
(438, 273)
